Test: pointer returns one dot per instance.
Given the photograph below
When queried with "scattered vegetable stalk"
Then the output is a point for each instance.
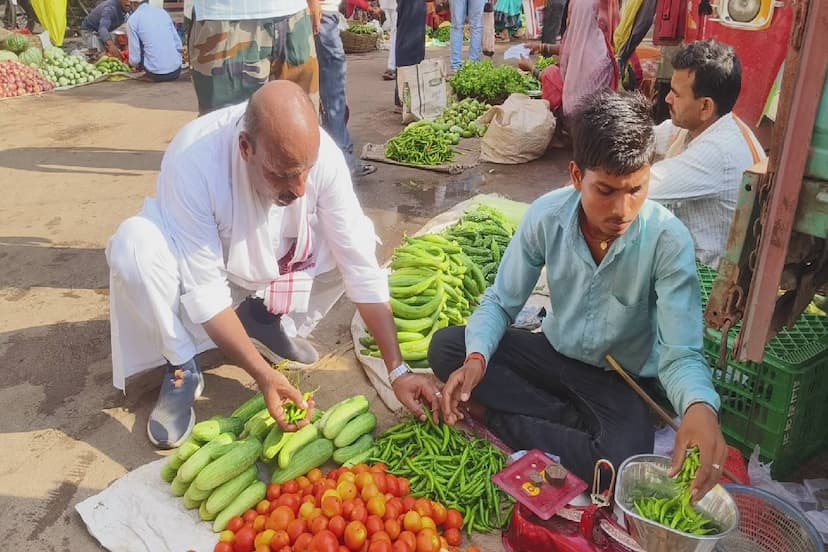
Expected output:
(446, 465)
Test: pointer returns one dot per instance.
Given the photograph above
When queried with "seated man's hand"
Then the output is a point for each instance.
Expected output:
(414, 389)
(526, 64)
(459, 387)
(277, 390)
(700, 427)
(113, 50)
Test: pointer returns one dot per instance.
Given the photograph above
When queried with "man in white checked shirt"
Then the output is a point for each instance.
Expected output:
(255, 210)
(706, 148)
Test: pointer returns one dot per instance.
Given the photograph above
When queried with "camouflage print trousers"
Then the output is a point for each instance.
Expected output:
(230, 60)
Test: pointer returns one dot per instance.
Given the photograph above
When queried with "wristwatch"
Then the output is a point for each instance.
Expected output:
(398, 372)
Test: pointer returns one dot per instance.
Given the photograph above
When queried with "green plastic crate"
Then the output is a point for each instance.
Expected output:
(781, 404)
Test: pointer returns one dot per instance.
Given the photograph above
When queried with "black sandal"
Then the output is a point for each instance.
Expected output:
(389, 75)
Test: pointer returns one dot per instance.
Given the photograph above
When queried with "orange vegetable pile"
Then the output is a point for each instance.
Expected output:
(363, 509)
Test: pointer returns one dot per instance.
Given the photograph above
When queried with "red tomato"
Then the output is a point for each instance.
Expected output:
(259, 523)
(380, 468)
(262, 548)
(404, 486)
(363, 479)
(423, 507)
(303, 543)
(472, 549)
(223, 547)
(333, 474)
(331, 506)
(438, 513)
(401, 546)
(392, 509)
(408, 538)
(315, 475)
(318, 524)
(336, 525)
(376, 506)
(379, 481)
(381, 536)
(453, 536)
(273, 491)
(408, 503)
(280, 540)
(393, 528)
(324, 541)
(343, 548)
(374, 524)
(453, 519)
(380, 546)
(369, 492)
(296, 528)
(391, 485)
(290, 500)
(306, 509)
(235, 524)
(263, 507)
(428, 541)
(285, 549)
(244, 540)
(355, 535)
(280, 517)
(290, 487)
(412, 522)
(347, 490)
(359, 513)
(347, 508)
(249, 516)
(360, 468)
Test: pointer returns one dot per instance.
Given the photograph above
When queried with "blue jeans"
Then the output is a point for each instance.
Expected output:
(459, 10)
(331, 57)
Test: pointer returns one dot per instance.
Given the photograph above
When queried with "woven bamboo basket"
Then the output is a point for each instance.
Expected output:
(354, 43)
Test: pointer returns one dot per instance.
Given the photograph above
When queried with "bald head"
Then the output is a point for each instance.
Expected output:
(280, 141)
(281, 118)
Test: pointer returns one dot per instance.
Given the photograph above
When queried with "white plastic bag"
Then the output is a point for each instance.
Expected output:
(519, 130)
(422, 90)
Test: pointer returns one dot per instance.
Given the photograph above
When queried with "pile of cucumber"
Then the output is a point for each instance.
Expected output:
(216, 469)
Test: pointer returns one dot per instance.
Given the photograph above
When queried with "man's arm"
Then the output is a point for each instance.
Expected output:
(683, 370)
(134, 43)
(696, 173)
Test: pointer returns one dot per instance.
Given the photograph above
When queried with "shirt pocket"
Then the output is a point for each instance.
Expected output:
(627, 321)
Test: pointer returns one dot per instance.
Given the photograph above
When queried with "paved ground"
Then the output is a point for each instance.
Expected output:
(73, 165)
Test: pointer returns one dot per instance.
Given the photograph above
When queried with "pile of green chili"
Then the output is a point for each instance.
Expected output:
(419, 144)
(446, 465)
(676, 512)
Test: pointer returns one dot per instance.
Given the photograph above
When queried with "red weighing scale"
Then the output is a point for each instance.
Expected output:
(544, 521)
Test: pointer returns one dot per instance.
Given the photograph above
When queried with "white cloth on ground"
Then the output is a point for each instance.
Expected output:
(202, 246)
(699, 180)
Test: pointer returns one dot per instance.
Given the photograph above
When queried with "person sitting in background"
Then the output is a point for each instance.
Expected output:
(586, 62)
(97, 27)
(353, 7)
(706, 148)
(154, 44)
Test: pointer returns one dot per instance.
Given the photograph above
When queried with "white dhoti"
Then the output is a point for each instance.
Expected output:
(149, 326)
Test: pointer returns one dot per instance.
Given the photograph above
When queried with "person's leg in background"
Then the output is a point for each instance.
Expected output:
(476, 29)
(458, 18)
(391, 72)
(294, 53)
(552, 18)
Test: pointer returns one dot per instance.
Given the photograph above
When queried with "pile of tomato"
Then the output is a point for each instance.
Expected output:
(363, 509)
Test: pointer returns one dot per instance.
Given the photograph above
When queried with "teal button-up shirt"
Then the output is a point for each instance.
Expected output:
(642, 305)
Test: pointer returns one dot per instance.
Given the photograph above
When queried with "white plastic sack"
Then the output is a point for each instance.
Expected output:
(519, 130)
(422, 90)
(138, 513)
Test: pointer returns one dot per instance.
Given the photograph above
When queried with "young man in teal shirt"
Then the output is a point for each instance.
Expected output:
(622, 281)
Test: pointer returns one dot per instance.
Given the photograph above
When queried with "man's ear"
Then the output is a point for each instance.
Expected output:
(245, 146)
(575, 175)
(708, 109)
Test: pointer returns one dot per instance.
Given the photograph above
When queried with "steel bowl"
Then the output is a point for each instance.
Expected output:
(654, 537)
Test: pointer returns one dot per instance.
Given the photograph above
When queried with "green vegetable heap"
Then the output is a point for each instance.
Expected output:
(438, 279)
(446, 465)
(108, 65)
(420, 144)
(676, 512)
(544, 62)
(361, 29)
(485, 82)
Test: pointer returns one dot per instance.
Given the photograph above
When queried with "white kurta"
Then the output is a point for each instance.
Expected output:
(206, 242)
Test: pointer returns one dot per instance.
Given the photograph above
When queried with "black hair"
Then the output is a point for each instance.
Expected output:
(613, 132)
(717, 72)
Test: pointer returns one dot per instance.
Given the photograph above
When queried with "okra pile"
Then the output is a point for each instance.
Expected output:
(676, 512)
(446, 465)
(437, 280)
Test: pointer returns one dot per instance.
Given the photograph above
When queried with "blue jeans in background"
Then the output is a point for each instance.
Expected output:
(459, 10)
(331, 57)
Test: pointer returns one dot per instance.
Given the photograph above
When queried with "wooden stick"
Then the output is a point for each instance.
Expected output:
(656, 408)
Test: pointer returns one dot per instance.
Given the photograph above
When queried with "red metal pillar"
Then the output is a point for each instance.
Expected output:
(776, 233)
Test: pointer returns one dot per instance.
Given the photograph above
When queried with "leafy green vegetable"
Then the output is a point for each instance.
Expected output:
(361, 29)
(483, 81)
(544, 62)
